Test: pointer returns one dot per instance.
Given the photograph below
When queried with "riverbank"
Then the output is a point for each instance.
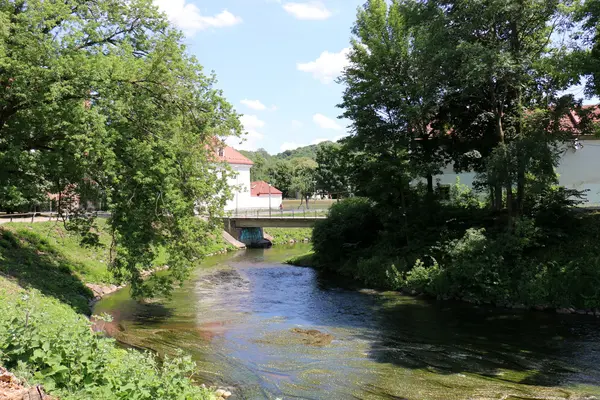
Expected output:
(548, 261)
(48, 284)
(44, 341)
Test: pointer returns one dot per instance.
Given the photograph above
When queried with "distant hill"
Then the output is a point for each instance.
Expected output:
(300, 152)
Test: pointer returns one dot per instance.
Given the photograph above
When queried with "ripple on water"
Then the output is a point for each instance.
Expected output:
(243, 321)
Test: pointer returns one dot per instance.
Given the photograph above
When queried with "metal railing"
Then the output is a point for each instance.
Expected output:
(304, 214)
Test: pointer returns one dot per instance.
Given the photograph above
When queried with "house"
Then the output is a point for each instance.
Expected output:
(246, 196)
(578, 165)
(265, 195)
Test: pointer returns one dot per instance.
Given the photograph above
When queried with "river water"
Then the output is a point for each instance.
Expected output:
(240, 315)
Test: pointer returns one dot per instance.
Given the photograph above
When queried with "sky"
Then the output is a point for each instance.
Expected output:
(276, 62)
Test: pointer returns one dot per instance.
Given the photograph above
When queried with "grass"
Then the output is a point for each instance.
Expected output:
(45, 256)
(303, 260)
(285, 235)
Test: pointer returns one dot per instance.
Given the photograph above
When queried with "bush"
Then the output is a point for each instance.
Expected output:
(352, 225)
(47, 343)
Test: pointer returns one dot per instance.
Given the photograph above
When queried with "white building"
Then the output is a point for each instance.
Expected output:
(247, 195)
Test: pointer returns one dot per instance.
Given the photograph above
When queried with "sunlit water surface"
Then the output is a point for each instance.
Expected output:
(235, 317)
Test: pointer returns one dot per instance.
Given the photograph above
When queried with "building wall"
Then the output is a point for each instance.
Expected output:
(577, 170)
(241, 196)
(262, 201)
(242, 199)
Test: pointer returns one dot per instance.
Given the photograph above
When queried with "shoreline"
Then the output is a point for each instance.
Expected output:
(305, 261)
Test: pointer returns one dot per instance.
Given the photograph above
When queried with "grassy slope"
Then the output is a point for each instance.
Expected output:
(46, 257)
(284, 235)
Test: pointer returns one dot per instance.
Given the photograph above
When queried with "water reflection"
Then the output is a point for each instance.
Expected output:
(237, 319)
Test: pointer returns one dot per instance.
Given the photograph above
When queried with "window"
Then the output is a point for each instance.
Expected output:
(221, 152)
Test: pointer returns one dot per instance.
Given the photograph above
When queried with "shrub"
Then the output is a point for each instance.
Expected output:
(47, 343)
(352, 224)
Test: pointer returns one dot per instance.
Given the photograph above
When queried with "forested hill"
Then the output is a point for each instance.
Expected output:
(300, 152)
(292, 171)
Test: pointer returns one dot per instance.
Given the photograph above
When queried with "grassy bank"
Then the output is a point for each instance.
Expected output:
(45, 341)
(47, 257)
(45, 337)
(289, 235)
(304, 260)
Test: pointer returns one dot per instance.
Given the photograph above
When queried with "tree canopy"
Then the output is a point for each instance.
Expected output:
(103, 94)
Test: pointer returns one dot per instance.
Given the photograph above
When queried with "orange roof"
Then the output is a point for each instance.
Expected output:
(259, 188)
(232, 156)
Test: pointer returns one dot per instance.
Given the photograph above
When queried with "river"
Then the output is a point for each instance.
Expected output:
(242, 318)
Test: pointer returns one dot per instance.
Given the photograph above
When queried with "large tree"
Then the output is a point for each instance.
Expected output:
(500, 64)
(332, 174)
(103, 92)
(391, 97)
(457, 79)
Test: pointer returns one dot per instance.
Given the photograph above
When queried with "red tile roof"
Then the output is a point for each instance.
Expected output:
(232, 156)
(572, 120)
(261, 188)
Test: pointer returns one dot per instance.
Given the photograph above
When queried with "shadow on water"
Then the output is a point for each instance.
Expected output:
(530, 348)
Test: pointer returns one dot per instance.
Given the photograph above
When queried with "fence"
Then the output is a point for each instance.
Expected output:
(23, 217)
(277, 213)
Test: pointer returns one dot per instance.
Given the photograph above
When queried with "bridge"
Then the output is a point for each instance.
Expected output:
(248, 229)
(273, 222)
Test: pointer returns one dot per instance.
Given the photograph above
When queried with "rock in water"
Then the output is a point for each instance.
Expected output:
(314, 337)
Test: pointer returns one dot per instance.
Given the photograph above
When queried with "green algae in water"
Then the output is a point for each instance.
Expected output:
(235, 318)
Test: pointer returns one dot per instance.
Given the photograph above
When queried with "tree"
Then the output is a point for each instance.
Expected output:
(391, 97)
(303, 178)
(499, 65)
(104, 92)
(331, 174)
(280, 175)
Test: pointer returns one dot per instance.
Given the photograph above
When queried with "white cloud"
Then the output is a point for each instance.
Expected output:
(328, 66)
(312, 10)
(187, 16)
(257, 105)
(326, 123)
(249, 141)
(254, 104)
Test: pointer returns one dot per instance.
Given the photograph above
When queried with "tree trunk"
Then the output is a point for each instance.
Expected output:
(498, 197)
(307, 197)
(509, 205)
(520, 190)
(430, 184)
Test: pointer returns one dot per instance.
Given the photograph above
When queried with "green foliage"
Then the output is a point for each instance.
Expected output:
(351, 224)
(116, 105)
(47, 343)
(332, 172)
(303, 179)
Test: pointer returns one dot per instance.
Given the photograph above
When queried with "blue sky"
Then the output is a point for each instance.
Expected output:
(276, 62)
